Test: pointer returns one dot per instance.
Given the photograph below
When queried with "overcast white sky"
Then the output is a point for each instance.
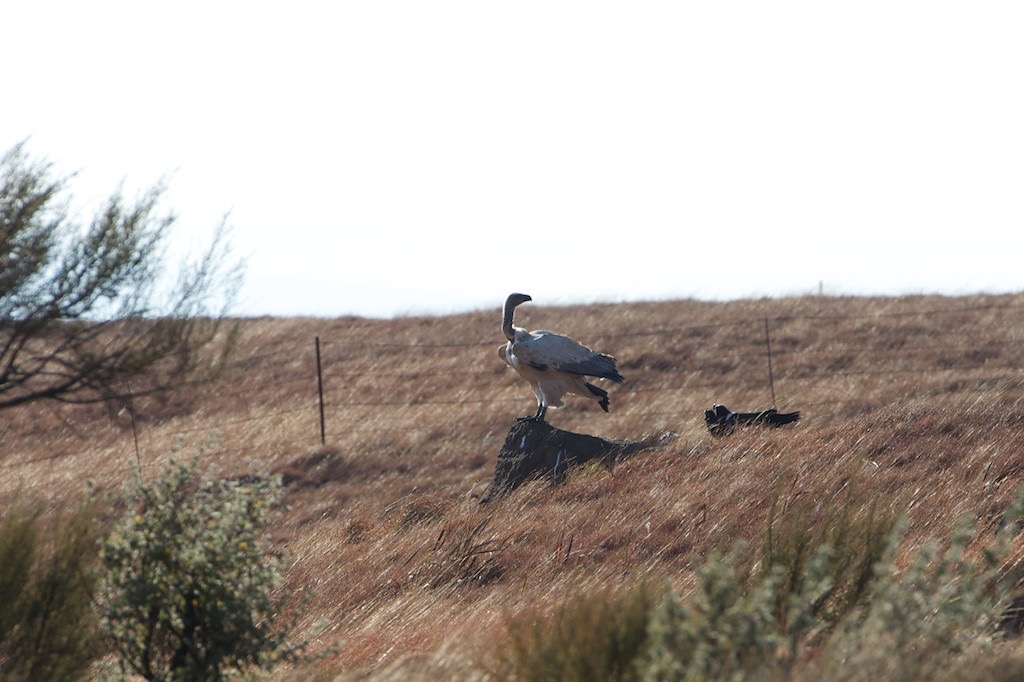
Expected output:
(383, 158)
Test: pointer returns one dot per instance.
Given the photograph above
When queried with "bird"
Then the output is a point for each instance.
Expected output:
(722, 421)
(552, 363)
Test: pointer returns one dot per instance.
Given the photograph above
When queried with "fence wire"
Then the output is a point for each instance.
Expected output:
(759, 342)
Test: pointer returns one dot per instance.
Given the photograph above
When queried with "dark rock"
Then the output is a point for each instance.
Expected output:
(535, 449)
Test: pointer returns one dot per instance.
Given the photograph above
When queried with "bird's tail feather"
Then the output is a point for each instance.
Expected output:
(600, 393)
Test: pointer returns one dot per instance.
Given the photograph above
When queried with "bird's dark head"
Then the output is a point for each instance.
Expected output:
(515, 299)
(509, 311)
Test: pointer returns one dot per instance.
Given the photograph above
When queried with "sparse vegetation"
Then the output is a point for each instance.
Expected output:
(591, 637)
(847, 541)
(912, 420)
(48, 627)
(930, 620)
(465, 552)
(86, 309)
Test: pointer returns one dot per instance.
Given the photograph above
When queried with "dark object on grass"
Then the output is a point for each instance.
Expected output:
(722, 421)
(535, 449)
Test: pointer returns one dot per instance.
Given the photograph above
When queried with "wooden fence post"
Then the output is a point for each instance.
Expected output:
(771, 376)
(320, 390)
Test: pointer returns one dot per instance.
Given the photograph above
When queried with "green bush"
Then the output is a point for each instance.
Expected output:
(188, 585)
(822, 600)
(730, 624)
(929, 621)
(48, 628)
(924, 622)
(854, 539)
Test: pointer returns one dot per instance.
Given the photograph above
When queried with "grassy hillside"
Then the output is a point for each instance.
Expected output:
(912, 404)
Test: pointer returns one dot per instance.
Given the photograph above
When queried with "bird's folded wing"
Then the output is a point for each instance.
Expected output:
(550, 351)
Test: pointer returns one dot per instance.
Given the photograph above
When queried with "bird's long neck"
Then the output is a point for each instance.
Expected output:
(506, 325)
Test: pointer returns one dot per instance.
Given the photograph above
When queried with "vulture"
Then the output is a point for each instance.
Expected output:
(553, 364)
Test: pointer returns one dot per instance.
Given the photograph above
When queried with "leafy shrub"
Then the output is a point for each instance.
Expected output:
(730, 625)
(922, 619)
(830, 587)
(48, 629)
(187, 592)
(854, 540)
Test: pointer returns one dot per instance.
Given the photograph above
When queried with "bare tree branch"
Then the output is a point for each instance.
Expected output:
(83, 309)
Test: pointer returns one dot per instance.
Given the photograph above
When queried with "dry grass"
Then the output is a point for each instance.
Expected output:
(912, 404)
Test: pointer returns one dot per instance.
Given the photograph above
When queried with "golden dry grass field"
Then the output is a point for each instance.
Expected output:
(915, 403)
